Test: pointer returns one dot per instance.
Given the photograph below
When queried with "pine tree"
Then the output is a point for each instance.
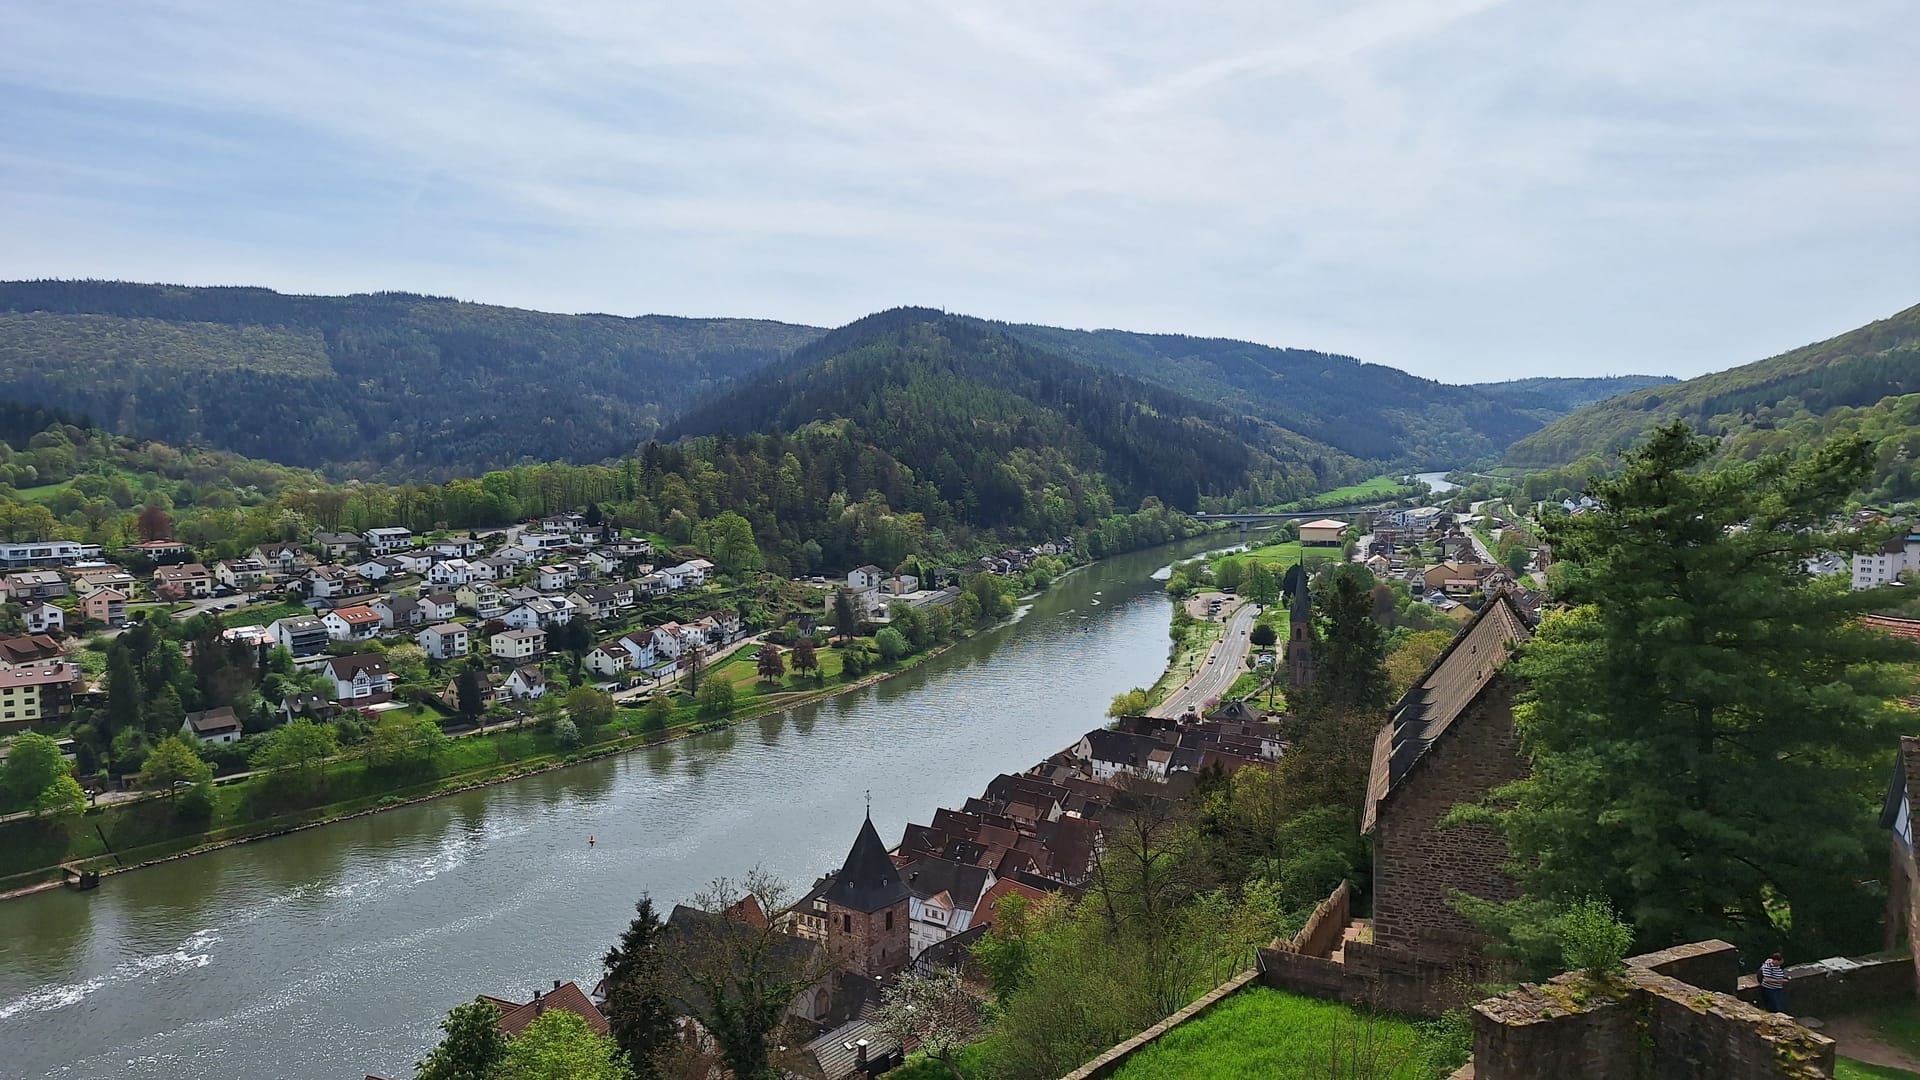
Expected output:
(1350, 672)
(124, 692)
(1708, 725)
(638, 1010)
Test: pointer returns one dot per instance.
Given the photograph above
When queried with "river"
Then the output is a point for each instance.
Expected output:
(1436, 482)
(333, 953)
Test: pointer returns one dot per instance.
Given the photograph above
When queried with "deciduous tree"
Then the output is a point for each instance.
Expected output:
(171, 762)
(934, 1010)
(771, 665)
(472, 1049)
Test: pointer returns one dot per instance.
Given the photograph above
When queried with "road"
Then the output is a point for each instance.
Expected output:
(1224, 663)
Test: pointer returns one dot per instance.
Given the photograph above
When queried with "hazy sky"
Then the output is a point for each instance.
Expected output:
(1467, 190)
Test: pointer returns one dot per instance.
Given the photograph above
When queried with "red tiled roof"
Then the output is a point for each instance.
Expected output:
(514, 1017)
(1900, 628)
(357, 614)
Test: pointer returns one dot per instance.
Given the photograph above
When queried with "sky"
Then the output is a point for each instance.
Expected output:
(1465, 189)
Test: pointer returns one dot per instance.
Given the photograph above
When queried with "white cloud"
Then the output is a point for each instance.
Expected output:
(1467, 189)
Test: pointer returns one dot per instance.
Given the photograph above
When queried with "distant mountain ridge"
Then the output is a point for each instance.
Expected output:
(400, 386)
(960, 399)
(1551, 398)
(1857, 378)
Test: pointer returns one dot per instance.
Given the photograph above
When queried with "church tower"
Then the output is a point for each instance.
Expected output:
(867, 909)
(1300, 633)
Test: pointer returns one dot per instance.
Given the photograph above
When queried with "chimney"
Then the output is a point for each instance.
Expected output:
(860, 1055)
(556, 984)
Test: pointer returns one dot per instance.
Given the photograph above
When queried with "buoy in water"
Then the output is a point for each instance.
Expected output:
(589, 841)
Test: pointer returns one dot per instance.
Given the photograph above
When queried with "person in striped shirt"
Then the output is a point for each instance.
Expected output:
(1773, 984)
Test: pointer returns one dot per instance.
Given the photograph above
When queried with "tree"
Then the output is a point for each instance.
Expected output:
(805, 658)
(173, 761)
(566, 733)
(659, 713)
(559, 1045)
(771, 665)
(473, 1047)
(591, 709)
(471, 691)
(155, 523)
(738, 973)
(299, 749)
(696, 666)
(1263, 636)
(1260, 585)
(728, 537)
(33, 762)
(1517, 559)
(1411, 658)
(639, 1011)
(844, 620)
(891, 644)
(124, 692)
(1350, 672)
(63, 797)
(716, 700)
(1132, 703)
(1707, 721)
(935, 1010)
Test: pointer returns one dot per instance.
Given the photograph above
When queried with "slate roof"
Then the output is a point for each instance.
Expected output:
(214, 721)
(867, 881)
(831, 1051)
(1906, 782)
(1454, 680)
(928, 877)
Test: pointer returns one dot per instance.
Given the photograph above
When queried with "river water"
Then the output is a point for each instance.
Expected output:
(332, 953)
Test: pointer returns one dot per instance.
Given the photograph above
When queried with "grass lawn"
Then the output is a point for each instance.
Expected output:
(265, 613)
(1849, 1069)
(1380, 487)
(1280, 1036)
(43, 493)
(972, 1062)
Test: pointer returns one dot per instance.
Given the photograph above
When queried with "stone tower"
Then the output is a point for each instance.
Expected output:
(867, 909)
(1300, 634)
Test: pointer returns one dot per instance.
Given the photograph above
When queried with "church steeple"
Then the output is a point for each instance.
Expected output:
(867, 909)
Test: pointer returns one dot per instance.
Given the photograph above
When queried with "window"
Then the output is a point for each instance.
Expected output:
(889, 920)
(846, 924)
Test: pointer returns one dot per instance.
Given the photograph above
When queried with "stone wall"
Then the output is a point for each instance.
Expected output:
(1325, 927)
(1827, 987)
(1417, 862)
(1378, 979)
(1903, 899)
(865, 942)
(1644, 1024)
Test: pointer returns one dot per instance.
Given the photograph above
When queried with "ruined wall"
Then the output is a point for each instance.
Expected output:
(1417, 862)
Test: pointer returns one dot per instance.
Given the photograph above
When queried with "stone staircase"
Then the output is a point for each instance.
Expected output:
(1357, 930)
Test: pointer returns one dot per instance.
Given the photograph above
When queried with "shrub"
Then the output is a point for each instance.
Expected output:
(1593, 939)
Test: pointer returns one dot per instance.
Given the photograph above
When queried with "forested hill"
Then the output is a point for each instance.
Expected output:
(1552, 398)
(1852, 382)
(383, 384)
(970, 407)
(1367, 410)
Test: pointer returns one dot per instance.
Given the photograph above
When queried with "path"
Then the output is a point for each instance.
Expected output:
(1858, 1040)
(1223, 664)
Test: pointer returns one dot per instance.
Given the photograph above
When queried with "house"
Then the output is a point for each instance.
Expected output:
(595, 601)
(564, 997)
(1455, 578)
(1325, 532)
(389, 540)
(943, 895)
(481, 598)
(413, 562)
(439, 607)
(358, 680)
(608, 659)
(309, 703)
(27, 585)
(39, 693)
(671, 640)
(215, 727)
(337, 545)
(456, 547)
(247, 637)
(379, 568)
(518, 554)
(443, 641)
(1903, 884)
(286, 558)
(539, 613)
(652, 584)
(865, 577)
(240, 574)
(494, 568)
(327, 582)
(28, 649)
(1379, 565)
(527, 683)
(47, 553)
(107, 606)
(398, 612)
(93, 579)
(301, 635)
(1896, 557)
(1448, 741)
(639, 649)
(187, 581)
(357, 623)
(723, 627)
(1116, 753)
(689, 574)
(451, 572)
(41, 617)
(518, 644)
(554, 577)
(545, 541)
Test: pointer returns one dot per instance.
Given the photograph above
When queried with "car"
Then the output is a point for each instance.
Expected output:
(1209, 659)
(229, 606)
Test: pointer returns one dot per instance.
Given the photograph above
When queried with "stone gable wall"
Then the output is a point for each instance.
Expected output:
(869, 948)
(1417, 862)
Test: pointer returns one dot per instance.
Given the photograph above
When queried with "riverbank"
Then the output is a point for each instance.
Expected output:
(109, 862)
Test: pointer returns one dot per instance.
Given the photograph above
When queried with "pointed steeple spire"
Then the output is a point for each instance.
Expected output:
(1301, 608)
(867, 881)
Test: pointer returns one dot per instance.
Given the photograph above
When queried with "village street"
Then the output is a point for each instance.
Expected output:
(1224, 663)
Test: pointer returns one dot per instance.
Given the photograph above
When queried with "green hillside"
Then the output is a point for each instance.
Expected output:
(1550, 398)
(1857, 370)
(962, 402)
(387, 384)
(1367, 410)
